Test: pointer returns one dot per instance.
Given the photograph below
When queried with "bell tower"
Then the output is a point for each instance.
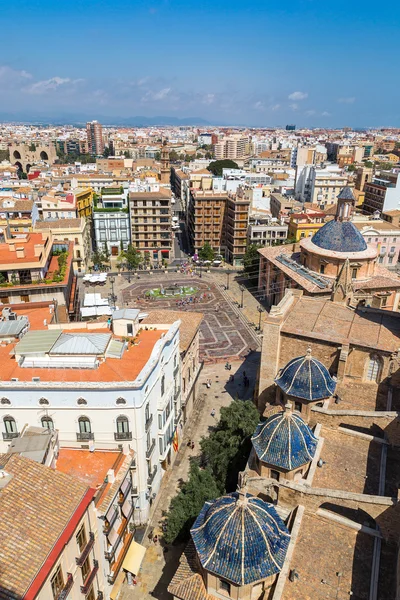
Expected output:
(165, 168)
(345, 205)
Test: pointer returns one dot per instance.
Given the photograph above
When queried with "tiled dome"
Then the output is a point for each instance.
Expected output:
(284, 441)
(306, 378)
(339, 236)
(240, 538)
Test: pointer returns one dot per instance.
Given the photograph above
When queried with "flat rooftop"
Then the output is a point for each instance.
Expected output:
(89, 467)
(351, 463)
(323, 549)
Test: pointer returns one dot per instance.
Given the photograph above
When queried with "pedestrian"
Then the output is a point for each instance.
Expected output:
(192, 445)
(244, 374)
(155, 539)
(213, 412)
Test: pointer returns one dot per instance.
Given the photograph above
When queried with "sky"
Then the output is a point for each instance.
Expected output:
(258, 63)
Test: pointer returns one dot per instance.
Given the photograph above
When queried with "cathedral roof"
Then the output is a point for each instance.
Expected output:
(307, 378)
(346, 193)
(240, 538)
(284, 441)
(339, 236)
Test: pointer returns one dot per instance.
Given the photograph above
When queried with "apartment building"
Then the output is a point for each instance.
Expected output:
(94, 133)
(320, 186)
(305, 224)
(383, 236)
(264, 230)
(232, 147)
(99, 391)
(206, 219)
(17, 214)
(52, 547)
(282, 206)
(382, 194)
(236, 222)
(150, 220)
(111, 221)
(75, 230)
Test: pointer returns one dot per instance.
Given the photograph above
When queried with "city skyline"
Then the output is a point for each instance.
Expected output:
(256, 65)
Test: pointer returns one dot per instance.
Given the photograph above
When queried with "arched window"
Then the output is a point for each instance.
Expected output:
(122, 424)
(120, 401)
(374, 367)
(47, 423)
(43, 401)
(11, 427)
(81, 401)
(162, 385)
(5, 401)
(84, 425)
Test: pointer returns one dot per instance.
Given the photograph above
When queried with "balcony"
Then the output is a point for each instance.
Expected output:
(150, 478)
(123, 435)
(177, 417)
(176, 370)
(10, 435)
(123, 495)
(90, 578)
(177, 393)
(107, 527)
(85, 436)
(134, 492)
(148, 423)
(109, 554)
(150, 450)
(67, 588)
(85, 552)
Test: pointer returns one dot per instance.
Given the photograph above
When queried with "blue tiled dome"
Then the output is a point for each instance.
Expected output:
(306, 378)
(285, 441)
(241, 539)
(339, 236)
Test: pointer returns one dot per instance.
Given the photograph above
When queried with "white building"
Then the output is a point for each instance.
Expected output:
(111, 221)
(99, 391)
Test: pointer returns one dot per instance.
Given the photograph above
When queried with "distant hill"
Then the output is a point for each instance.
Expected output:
(79, 119)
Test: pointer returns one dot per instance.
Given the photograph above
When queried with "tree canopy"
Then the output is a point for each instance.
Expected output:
(217, 165)
(224, 453)
(132, 257)
(251, 262)
(206, 252)
(4, 155)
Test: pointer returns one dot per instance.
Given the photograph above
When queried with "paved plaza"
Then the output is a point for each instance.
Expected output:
(224, 334)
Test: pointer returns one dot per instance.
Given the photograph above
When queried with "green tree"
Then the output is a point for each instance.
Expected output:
(369, 164)
(132, 257)
(206, 252)
(127, 154)
(226, 449)
(32, 147)
(98, 259)
(185, 507)
(173, 156)
(157, 156)
(351, 168)
(217, 166)
(251, 262)
(106, 152)
(106, 252)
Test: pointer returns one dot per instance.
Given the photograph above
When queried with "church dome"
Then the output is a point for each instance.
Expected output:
(241, 538)
(339, 236)
(306, 378)
(284, 441)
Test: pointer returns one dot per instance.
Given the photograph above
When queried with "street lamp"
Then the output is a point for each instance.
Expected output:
(227, 282)
(113, 297)
(260, 310)
(200, 270)
(242, 290)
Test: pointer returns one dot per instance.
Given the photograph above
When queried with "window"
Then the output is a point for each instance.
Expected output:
(57, 582)
(275, 475)
(373, 368)
(78, 254)
(354, 273)
(161, 445)
(322, 269)
(10, 425)
(81, 401)
(84, 425)
(120, 401)
(297, 406)
(43, 401)
(5, 401)
(162, 385)
(384, 301)
(369, 240)
(160, 421)
(224, 586)
(47, 423)
(390, 260)
(24, 297)
(81, 539)
(76, 241)
(122, 424)
(147, 412)
(85, 569)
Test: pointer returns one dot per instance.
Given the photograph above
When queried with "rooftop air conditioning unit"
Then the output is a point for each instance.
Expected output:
(36, 379)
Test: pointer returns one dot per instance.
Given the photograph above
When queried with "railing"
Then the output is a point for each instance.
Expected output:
(110, 553)
(107, 528)
(123, 435)
(67, 588)
(84, 436)
(123, 495)
(10, 435)
(150, 450)
(84, 554)
(150, 478)
(89, 580)
(148, 423)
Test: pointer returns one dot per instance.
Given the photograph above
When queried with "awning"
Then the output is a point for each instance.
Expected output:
(133, 558)
(114, 594)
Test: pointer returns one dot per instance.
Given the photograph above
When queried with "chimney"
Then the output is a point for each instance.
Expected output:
(110, 476)
(20, 252)
(38, 249)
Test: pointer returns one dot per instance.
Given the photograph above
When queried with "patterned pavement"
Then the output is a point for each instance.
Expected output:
(223, 333)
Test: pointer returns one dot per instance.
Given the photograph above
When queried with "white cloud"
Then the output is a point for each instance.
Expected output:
(310, 113)
(208, 99)
(275, 107)
(50, 85)
(350, 100)
(154, 96)
(12, 79)
(298, 96)
(294, 106)
(259, 105)
(326, 114)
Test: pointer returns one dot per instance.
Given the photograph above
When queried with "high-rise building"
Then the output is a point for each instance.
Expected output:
(94, 132)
